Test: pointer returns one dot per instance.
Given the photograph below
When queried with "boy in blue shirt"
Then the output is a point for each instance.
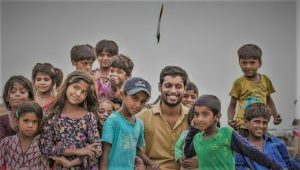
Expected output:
(123, 132)
(257, 117)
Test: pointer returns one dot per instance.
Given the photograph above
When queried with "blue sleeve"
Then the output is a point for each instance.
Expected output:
(242, 146)
(240, 162)
(285, 156)
(141, 139)
(108, 130)
(189, 150)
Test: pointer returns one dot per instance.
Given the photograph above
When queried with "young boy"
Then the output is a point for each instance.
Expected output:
(123, 132)
(120, 71)
(105, 49)
(252, 87)
(257, 117)
(190, 95)
(216, 147)
(83, 57)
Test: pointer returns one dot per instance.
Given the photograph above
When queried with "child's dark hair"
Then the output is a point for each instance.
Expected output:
(173, 71)
(82, 52)
(107, 46)
(191, 86)
(123, 62)
(55, 74)
(117, 100)
(29, 106)
(250, 51)
(257, 110)
(210, 101)
(9, 85)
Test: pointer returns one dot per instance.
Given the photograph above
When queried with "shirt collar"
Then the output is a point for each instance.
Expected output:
(157, 109)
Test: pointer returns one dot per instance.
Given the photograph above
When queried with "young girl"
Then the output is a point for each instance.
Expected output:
(106, 107)
(45, 79)
(215, 146)
(190, 94)
(70, 135)
(21, 151)
(17, 89)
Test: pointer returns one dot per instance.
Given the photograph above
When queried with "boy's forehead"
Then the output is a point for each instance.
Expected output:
(249, 59)
(259, 118)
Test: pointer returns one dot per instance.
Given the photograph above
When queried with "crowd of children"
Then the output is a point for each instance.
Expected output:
(101, 119)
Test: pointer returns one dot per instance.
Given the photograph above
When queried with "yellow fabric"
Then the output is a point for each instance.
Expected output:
(248, 92)
(160, 138)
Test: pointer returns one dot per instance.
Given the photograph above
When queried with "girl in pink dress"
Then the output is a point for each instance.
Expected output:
(45, 79)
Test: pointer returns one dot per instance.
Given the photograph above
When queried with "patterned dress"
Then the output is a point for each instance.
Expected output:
(12, 157)
(61, 132)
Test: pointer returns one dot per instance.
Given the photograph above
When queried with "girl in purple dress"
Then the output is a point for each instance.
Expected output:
(21, 151)
(70, 136)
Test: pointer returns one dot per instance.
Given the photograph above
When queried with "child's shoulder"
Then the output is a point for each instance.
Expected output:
(226, 130)
(9, 139)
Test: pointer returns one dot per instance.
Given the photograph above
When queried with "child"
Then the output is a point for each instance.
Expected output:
(257, 116)
(70, 136)
(17, 89)
(106, 107)
(215, 147)
(190, 94)
(252, 87)
(123, 132)
(179, 147)
(120, 71)
(105, 49)
(45, 79)
(21, 151)
(83, 57)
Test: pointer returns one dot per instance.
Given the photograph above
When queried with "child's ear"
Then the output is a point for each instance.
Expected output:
(218, 116)
(260, 63)
(73, 62)
(122, 94)
(159, 87)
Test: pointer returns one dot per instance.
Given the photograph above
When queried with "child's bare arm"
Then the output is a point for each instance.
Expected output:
(231, 113)
(104, 160)
(65, 162)
(277, 118)
(90, 150)
(147, 161)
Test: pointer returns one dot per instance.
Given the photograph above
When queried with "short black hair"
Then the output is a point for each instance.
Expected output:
(255, 110)
(173, 71)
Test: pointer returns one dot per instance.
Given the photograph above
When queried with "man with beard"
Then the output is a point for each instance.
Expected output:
(167, 119)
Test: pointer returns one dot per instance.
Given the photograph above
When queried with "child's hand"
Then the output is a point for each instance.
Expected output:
(62, 161)
(90, 150)
(114, 80)
(234, 124)
(191, 163)
(139, 164)
(277, 119)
